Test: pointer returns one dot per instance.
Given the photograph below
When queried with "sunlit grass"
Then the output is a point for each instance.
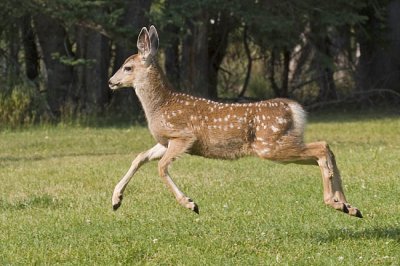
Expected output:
(56, 186)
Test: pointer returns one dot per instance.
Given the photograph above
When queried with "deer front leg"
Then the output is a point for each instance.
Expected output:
(154, 153)
(175, 148)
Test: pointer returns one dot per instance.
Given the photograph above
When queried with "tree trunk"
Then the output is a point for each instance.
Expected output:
(13, 49)
(378, 66)
(322, 61)
(30, 49)
(93, 75)
(59, 77)
(217, 45)
(271, 73)
(343, 54)
(283, 89)
(172, 66)
(195, 63)
(204, 47)
(249, 63)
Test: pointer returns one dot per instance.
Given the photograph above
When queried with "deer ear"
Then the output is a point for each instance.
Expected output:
(153, 40)
(143, 43)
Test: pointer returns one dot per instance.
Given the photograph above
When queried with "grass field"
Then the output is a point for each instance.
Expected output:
(55, 201)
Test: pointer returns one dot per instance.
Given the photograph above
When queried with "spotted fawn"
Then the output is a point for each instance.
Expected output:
(180, 123)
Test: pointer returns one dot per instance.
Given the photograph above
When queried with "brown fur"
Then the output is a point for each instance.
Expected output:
(180, 123)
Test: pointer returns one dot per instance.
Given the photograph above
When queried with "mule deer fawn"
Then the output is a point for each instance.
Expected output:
(181, 123)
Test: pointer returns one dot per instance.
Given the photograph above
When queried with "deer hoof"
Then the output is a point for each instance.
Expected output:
(196, 208)
(190, 204)
(117, 202)
(352, 211)
(116, 206)
(355, 212)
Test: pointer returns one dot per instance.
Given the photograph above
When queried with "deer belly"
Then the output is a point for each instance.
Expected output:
(223, 148)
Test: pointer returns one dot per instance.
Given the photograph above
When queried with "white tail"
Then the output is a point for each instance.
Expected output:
(182, 123)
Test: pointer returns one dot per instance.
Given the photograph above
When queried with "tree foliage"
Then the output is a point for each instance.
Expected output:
(313, 50)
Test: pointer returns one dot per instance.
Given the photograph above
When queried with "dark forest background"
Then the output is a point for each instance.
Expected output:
(57, 56)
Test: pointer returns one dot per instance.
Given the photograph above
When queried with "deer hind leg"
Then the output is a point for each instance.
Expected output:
(333, 191)
(175, 148)
(319, 153)
(152, 154)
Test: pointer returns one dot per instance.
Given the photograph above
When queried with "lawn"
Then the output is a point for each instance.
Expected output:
(57, 182)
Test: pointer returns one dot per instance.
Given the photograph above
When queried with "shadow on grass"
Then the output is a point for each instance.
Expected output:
(388, 232)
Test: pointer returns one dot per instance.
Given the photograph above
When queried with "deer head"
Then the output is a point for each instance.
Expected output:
(131, 72)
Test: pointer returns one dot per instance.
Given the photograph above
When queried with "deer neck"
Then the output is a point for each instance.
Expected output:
(153, 91)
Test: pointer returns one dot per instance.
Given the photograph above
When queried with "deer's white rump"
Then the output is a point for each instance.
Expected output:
(181, 123)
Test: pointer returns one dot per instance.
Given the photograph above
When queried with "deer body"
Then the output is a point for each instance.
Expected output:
(181, 123)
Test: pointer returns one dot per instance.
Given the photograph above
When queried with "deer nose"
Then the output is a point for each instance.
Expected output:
(112, 84)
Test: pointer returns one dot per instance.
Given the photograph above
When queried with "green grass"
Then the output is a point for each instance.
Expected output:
(56, 185)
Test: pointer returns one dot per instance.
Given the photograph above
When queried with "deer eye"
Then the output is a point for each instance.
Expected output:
(127, 68)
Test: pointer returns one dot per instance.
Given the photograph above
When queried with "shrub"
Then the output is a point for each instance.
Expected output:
(21, 105)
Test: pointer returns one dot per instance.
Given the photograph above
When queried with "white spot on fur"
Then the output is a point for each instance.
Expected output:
(281, 120)
(274, 129)
(266, 150)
